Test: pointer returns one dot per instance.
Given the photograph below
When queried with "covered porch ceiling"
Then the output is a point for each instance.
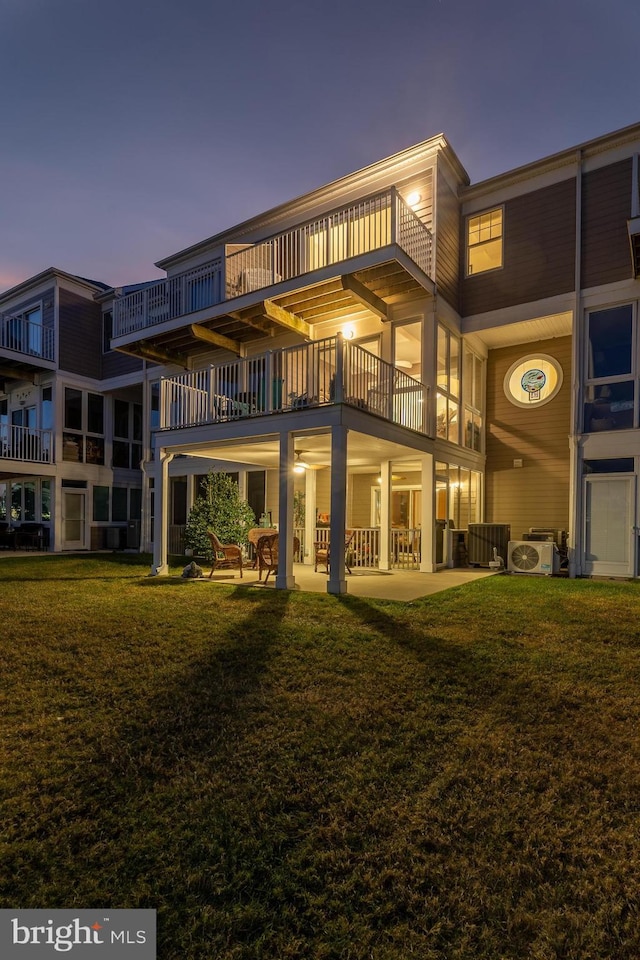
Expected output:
(523, 331)
(365, 453)
(280, 308)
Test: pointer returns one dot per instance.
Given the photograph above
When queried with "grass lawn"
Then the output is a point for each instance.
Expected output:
(301, 776)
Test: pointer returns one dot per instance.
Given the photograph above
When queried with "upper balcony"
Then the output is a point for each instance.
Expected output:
(359, 257)
(25, 345)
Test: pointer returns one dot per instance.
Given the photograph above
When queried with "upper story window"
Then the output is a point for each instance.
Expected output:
(448, 382)
(484, 241)
(611, 370)
(107, 331)
(472, 395)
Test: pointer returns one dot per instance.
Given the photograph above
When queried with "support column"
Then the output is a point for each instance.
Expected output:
(385, 515)
(337, 577)
(427, 509)
(160, 566)
(284, 577)
(310, 501)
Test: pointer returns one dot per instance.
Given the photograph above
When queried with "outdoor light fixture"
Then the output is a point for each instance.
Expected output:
(348, 332)
(413, 199)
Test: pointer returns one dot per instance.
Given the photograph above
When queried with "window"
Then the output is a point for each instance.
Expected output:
(127, 433)
(107, 331)
(119, 504)
(45, 499)
(448, 381)
(533, 381)
(484, 241)
(610, 370)
(34, 330)
(472, 399)
(101, 503)
(83, 413)
(72, 409)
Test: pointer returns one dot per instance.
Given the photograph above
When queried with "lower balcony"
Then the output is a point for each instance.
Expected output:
(323, 372)
(25, 444)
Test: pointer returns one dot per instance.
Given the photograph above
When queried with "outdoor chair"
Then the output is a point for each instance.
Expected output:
(267, 554)
(322, 552)
(224, 554)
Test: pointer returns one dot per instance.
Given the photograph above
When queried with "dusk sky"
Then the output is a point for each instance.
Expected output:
(134, 128)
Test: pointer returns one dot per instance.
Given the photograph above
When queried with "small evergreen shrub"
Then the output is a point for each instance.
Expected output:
(218, 508)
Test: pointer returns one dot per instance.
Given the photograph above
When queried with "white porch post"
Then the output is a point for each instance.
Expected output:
(427, 498)
(385, 515)
(284, 577)
(310, 501)
(337, 578)
(160, 567)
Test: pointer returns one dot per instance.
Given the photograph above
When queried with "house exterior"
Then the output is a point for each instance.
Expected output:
(71, 416)
(400, 353)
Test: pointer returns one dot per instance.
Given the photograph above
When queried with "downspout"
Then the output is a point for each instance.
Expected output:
(575, 540)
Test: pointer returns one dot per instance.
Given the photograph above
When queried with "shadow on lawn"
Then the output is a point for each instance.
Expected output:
(418, 636)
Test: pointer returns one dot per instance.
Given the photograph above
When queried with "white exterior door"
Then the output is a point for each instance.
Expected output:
(73, 520)
(610, 531)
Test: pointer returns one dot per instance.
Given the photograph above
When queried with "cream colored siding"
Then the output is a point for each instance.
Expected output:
(537, 493)
(359, 513)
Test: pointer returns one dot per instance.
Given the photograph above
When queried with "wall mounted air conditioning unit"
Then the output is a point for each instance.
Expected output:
(525, 556)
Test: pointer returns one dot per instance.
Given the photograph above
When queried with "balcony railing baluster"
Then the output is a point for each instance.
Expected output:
(327, 371)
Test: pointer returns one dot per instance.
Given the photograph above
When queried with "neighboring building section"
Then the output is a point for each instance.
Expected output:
(71, 439)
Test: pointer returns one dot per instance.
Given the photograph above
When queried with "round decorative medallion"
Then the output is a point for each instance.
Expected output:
(533, 380)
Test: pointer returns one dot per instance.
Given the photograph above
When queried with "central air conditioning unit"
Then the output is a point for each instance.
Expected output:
(525, 556)
(481, 540)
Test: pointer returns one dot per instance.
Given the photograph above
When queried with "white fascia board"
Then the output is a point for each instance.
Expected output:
(370, 179)
(532, 310)
(43, 282)
(599, 145)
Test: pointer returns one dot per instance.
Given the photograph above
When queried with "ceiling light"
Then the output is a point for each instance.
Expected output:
(404, 364)
(300, 465)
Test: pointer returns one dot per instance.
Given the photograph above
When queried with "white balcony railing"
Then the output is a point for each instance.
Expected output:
(326, 371)
(25, 443)
(364, 549)
(26, 337)
(361, 228)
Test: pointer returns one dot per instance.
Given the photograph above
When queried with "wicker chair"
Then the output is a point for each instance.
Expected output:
(224, 554)
(322, 552)
(267, 554)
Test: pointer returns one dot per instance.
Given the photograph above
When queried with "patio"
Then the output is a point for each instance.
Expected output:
(403, 585)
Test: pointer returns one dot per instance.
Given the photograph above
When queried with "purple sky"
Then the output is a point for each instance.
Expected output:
(134, 128)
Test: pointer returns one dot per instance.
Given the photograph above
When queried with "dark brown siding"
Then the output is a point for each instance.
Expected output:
(116, 364)
(539, 252)
(448, 244)
(606, 207)
(537, 493)
(80, 335)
